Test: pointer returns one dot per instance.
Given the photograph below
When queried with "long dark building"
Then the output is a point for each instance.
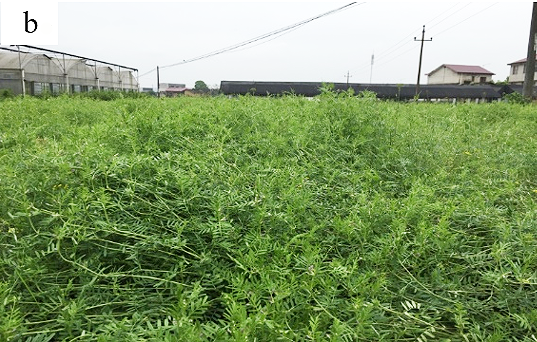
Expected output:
(403, 92)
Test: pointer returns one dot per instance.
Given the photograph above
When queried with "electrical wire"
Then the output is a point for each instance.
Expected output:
(462, 21)
(386, 53)
(404, 41)
(441, 14)
(148, 72)
(268, 40)
(413, 48)
(407, 41)
(260, 38)
(449, 16)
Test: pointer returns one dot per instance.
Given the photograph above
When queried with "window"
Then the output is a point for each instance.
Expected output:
(482, 79)
(8, 76)
(515, 69)
(40, 88)
(37, 88)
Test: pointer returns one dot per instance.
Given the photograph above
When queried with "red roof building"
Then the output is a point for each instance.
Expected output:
(459, 74)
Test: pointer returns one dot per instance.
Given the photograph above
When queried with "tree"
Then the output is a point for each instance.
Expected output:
(200, 85)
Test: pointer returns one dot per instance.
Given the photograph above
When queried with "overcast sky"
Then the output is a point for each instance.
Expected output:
(144, 35)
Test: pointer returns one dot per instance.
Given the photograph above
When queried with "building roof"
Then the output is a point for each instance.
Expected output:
(464, 69)
(10, 60)
(174, 90)
(523, 60)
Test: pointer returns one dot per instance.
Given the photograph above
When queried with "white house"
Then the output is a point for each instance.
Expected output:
(459, 74)
(172, 89)
(518, 72)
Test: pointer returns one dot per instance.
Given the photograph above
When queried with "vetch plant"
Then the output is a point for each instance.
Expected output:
(266, 219)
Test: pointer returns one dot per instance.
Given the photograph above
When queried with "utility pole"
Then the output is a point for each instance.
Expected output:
(529, 77)
(66, 76)
(23, 86)
(97, 84)
(348, 76)
(371, 73)
(158, 83)
(421, 57)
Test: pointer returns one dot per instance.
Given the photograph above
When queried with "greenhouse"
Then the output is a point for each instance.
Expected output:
(37, 73)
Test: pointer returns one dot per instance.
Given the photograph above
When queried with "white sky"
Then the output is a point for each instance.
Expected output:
(144, 35)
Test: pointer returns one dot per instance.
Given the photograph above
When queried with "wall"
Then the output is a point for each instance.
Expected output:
(80, 74)
(518, 78)
(11, 79)
(443, 76)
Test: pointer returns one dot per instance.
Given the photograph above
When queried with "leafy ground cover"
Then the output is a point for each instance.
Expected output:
(264, 219)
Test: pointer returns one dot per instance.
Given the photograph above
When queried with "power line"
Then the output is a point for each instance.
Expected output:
(148, 72)
(449, 16)
(277, 33)
(268, 40)
(388, 52)
(399, 55)
(264, 36)
(441, 14)
(395, 47)
(405, 41)
(462, 21)
(414, 48)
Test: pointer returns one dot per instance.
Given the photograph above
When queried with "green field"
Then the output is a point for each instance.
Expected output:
(267, 219)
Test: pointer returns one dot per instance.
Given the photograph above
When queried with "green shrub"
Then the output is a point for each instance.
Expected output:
(6, 94)
(110, 95)
(367, 94)
(516, 98)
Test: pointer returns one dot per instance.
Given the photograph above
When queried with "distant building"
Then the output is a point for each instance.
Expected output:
(171, 85)
(459, 74)
(518, 72)
(172, 89)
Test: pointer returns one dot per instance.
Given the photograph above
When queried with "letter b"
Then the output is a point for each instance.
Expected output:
(26, 21)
